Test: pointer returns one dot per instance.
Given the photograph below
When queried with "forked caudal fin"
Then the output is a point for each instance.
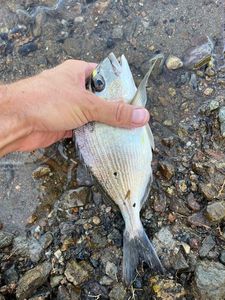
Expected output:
(135, 249)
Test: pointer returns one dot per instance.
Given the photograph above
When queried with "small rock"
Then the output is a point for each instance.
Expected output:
(222, 120)
(182, 186)
(179, 262)
(167, 289)
(11, 275)
(78, 273)
(213, 105)
(210, 280)
(199, 54)
(186, 247)
(208, 91)
(198, 219)
(173, 62)
(55, 280)
(32, 280)
(118, 292)
(117, 32)
(79, 19)
(215, 212)
(222, 257)
(105, 280)
(41, 172)
(58, 254)
(194, 244)
(5, 239)
(208, 191)
(210, 72)
(166, 169)
(96, 220)
(192, 203)
(207, 245)
(172, 92)
(26, 49)
(75, 198)
(164, 240)
(111, 270)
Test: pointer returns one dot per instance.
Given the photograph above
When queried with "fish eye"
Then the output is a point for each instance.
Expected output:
(97, 83)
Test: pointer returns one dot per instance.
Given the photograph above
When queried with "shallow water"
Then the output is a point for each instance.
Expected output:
(90, 30)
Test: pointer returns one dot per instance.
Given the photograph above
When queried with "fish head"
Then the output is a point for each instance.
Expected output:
(112, 79)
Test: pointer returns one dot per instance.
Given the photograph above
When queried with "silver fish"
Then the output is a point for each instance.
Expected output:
(120, 159)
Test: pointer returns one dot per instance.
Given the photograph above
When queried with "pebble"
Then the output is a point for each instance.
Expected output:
(179, 262)
(208, 91)
(41, 172)
(166, 169)
(210, 280)
(117, 32)
(75, 198)
(26, 49)
(118, 292)
(96, 220)
(172, 92)
(199, 54)
(222, 257)
(32, 280)
(208, 191)
(173, 62)
(222, 120)
(55, 280)
(207, 245)
(166, 289)
(111, 270)
(192, 203)
(186, 247)
(78, 273)
(105, 280)
(198, 219)
(215, 212)
(210, 72)
(6, 239)
(11, 275)
(164, 240)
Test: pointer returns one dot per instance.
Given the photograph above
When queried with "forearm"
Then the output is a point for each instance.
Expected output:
(13, 123)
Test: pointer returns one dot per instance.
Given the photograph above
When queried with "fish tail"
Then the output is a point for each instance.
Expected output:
(137, 247)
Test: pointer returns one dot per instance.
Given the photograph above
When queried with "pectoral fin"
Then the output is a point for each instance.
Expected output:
(140, 97)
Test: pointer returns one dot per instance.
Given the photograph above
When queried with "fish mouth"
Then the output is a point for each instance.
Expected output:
(115, 63)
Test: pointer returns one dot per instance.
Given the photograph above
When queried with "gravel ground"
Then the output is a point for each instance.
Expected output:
(67, 243)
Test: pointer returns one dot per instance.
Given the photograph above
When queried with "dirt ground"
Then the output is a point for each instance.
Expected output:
(59, 237)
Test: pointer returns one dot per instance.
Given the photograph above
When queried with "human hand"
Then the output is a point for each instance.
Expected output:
(56, 101)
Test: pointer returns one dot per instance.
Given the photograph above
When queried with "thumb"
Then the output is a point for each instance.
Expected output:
(120, 114)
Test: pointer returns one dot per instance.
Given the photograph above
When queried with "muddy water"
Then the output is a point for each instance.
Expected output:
(90, 30)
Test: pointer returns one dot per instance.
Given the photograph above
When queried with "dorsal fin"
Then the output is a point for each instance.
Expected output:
(140, 97)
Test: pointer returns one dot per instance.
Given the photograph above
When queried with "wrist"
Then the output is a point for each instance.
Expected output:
(14, 123)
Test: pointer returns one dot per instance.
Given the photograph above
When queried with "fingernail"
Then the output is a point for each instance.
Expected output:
(139, 116)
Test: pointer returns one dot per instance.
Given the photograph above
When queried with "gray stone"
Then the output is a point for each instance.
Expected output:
(111, 270)
(117, 32)
(32, 280)
(207, 245)
(215, 212)
(11, 275)
(21, 246)
(5, 239)
(55, 280)
(179, 262)
(118, 292)
(164, 240)
(78, 273)
(41, 172)
(222, 120)
(105, 280)
(222, 257)
(75, 198)
(210, 280)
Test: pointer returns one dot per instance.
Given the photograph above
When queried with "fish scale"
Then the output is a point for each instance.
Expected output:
(120, 159)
